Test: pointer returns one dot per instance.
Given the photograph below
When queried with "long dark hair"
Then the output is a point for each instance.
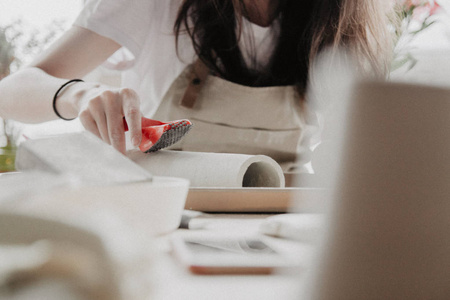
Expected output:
(306, 28)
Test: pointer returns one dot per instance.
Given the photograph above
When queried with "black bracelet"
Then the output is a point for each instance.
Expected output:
(56, 95)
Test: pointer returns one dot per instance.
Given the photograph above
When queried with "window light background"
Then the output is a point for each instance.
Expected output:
(40, 13)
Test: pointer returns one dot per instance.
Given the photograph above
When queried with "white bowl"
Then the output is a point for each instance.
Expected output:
(151, 208)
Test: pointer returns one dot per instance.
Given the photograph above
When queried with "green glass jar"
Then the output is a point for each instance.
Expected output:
(7, 159)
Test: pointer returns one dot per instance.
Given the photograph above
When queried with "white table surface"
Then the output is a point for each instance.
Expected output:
(173, 281)
(168, 279)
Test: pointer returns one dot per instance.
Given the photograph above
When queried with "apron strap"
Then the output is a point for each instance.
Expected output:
(197, 77)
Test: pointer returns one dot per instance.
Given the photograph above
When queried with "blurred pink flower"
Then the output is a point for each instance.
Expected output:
(418, 10)
(421, 13)
(410, 6)
(416, 16)
(434, 7)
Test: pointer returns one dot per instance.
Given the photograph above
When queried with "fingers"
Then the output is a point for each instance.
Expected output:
(98, 114)
(132, 115)
(103, 112)
(89, 124)
(113, 111)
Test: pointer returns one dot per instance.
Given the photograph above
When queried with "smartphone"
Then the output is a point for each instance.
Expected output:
(226, 255)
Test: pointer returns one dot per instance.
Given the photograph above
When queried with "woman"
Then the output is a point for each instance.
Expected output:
(238, 68)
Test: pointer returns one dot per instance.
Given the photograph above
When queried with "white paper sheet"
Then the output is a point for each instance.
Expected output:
(81, 155)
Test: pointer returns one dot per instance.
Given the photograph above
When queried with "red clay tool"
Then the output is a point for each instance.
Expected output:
(157, 135)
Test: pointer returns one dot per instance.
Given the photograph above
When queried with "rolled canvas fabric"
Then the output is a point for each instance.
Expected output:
(205, 169)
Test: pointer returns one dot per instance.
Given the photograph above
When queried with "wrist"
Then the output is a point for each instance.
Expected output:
(69, 99)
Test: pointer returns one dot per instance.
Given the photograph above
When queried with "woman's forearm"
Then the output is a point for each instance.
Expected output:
(27, 96)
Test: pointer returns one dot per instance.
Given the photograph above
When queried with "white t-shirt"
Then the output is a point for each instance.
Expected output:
(145, 30)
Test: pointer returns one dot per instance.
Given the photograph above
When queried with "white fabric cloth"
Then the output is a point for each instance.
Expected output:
(145, 30)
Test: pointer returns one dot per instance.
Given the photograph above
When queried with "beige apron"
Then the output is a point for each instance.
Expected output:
(233, 118)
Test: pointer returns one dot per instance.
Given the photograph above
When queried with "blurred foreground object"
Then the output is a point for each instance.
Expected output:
(125, 217)
(98, 177)
(387, 230)
(43, 259)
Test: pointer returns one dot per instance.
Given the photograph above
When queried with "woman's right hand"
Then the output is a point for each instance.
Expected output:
(27, 95)
(102, 109)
